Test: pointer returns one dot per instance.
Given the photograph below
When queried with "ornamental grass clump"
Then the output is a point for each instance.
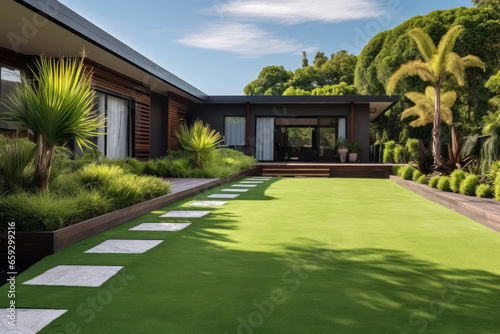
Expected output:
(456, 178)
(407, 172)
(444, 183)
(396, 169)
(484, 191)
(416, 175)
(433, 182)
(422, 180)
(469, 184)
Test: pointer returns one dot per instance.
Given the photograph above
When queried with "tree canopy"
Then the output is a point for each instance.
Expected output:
(275, 80)
(388, 50)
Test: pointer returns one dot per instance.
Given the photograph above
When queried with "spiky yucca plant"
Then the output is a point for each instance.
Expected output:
(439, 63)
(199, 138)
(424, 107)
(57, 106)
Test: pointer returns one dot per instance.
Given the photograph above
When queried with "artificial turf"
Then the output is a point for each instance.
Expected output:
(289, 256)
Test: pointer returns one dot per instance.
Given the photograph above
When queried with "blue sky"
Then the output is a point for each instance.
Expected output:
(221, 45)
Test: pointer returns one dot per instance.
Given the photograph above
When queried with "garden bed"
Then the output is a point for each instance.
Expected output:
(483, 210)
(32, 246)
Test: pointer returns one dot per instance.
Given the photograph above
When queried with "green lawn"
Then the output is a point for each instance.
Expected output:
(290, 256)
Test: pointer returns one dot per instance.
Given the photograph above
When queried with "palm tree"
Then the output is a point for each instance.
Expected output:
(439, 64)
(199, 138)
(424, 107)
(57, 106)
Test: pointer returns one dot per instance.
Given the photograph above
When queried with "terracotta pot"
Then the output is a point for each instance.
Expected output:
(342, 153)
(353, 157)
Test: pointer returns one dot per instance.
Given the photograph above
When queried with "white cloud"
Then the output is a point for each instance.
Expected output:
(299, 11)
(247, 40)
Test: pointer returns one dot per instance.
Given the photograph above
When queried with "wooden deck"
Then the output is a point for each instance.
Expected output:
(323, 169)
(180, 184)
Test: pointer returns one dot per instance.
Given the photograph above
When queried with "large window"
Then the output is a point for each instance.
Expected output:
(234, 130)
(117, 141)
(10, 78)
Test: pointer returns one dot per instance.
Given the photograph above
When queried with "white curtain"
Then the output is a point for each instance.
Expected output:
(235, 130)
(117, 121)
(101, 105)
(264, 141)
(342, 129)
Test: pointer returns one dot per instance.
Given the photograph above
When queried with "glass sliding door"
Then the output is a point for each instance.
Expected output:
(117, 129)
(264, 139)
(234, 130)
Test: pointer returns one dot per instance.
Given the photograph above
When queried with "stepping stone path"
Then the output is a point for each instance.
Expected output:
(91, 276)
(223, 196)
(124, 246)
(160, 227)
(185, 214)
(34, 320)
(28, 320)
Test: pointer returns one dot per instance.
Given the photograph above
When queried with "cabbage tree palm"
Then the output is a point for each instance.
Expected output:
(199, 138)
(438, 65)
(424, 107)
(57, 106)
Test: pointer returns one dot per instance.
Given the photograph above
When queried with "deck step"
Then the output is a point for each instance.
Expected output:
(325, 170)
(295, 175)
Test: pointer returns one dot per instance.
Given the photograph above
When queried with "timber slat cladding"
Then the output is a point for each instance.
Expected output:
(114, 82)
(176, 108)
(12, 58)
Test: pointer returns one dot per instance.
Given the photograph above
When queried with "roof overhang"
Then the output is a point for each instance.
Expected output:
(65, 33)
(378, 104)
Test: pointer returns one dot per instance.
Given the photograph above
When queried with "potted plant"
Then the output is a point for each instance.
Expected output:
(355, 148)
(342, 148)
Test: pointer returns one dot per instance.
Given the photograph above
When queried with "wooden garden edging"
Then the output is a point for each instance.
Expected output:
(483, 210)
(31, 246)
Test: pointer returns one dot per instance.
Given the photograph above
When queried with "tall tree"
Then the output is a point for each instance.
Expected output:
(439, 64)
(487, 3)
(57, 107)
(271, 81)
(319, 59)
(305, 61)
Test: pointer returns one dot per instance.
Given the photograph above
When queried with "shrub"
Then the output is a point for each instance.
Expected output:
(399, 154)
(180, 168)
(389, 151)
(416, 175)
(406, 172)
(433, 183)
(469, 184)
(16, 163)
(484, 191)
(99, 175)
(496, 186)
(412, 146)
(149, 168)
(444, 183)
(396, 169)
(422, 179)
(456, 178)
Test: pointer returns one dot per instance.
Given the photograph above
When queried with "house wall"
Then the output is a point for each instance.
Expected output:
(214, 115)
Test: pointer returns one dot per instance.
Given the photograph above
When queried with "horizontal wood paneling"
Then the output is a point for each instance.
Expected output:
(14, 59)
(111, 81)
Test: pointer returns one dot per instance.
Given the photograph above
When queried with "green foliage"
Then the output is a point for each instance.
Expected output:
(16, 164)
(389, 152)
(469, 184)
(433, 182)
(47, 212)
(387, 51)
(412, 146)
(354, 147)
(417, 175)
(57, 107)
(396, 169)
(456, 178)
(444, 183)
(199, 139)
(334, 76)
(406, 172)
(487, 3)
(93, 175)
(484, 191)
(422, 179)
(496, 186)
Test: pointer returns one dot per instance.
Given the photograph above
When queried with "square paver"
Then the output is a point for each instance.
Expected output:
(244, 185)
(185, 214)
(124, 246)
(160, 227)
(208, 203)
(28, 321)
(91, 276)
(235, 190)
(252, 182)
(223, 196)
(256, 178)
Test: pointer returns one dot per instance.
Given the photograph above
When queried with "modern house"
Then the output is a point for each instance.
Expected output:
(144, 103)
